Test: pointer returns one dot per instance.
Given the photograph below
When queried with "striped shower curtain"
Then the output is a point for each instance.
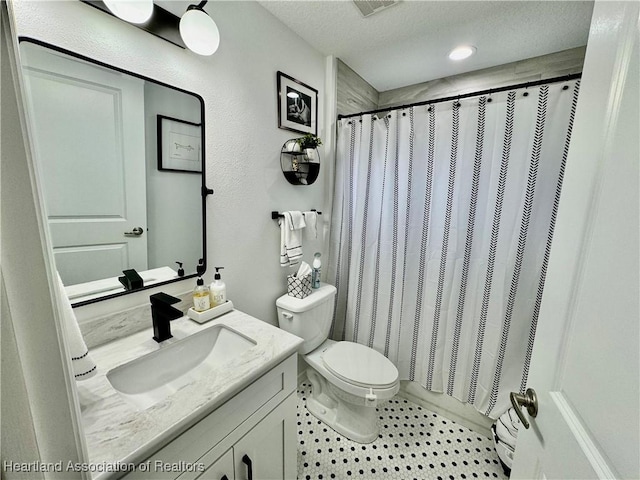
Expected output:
(441, 232)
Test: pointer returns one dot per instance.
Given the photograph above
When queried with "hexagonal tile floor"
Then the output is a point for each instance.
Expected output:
(414, 443)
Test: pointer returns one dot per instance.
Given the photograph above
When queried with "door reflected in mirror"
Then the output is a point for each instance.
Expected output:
(110, 205)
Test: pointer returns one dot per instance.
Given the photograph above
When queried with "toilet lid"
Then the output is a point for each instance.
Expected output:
(360, 365)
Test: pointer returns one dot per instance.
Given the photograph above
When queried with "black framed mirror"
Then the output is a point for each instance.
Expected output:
(121, 167)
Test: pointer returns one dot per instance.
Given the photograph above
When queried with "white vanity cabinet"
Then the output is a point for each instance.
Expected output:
(251, 436)
(221, 469)
(263, 453)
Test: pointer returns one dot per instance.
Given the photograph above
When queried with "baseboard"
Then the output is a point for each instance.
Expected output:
(449, 407)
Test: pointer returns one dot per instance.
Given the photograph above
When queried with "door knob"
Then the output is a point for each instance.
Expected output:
(529, 400)
(136, 232)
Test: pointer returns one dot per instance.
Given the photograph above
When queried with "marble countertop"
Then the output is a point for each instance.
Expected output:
(117, 431)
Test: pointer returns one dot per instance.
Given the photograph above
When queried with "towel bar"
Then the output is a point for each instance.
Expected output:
(275, 214)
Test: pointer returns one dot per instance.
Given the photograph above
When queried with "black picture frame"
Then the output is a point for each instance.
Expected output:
(297, 105)
(179, 145)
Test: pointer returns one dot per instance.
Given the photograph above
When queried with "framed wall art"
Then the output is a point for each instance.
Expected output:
(297, 105)
(179, 145)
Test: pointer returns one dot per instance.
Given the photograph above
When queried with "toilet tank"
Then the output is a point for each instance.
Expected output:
(309, 318)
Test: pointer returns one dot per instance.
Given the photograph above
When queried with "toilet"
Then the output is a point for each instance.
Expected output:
(348, 380)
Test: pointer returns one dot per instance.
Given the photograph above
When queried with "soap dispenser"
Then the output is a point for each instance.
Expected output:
(201, 301)
(200, 268)
(218, 289)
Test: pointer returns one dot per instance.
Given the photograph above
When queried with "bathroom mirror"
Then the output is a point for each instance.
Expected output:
(120, 160)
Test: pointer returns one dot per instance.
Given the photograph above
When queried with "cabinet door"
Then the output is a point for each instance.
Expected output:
(221, 469)
(268, 451)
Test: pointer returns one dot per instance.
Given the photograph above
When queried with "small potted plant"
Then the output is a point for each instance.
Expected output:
(308, 144)
(309, 141)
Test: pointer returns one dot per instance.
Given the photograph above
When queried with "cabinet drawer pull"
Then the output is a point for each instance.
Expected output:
(247, 461)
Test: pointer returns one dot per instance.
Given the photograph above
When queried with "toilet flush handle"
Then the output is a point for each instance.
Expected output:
(287, 315)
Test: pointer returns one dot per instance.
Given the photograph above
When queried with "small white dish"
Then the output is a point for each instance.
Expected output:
(207, 315)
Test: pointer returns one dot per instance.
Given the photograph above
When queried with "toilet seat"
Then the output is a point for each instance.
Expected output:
(315, 360)
(360, 365)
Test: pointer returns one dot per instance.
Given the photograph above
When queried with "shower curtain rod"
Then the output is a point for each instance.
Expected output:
(489, 91)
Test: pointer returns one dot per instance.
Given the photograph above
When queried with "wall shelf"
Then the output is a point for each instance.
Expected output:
(299, 166)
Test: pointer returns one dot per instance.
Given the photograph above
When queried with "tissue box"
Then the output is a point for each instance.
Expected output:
(299, 287)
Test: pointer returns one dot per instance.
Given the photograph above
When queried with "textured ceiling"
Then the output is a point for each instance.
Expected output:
(409, 42)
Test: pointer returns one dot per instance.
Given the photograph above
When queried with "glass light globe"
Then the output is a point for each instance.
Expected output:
(132, 11)
(199, 32)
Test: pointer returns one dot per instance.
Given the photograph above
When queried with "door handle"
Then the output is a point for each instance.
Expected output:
(529, 400)
(136, 232)
(247, 461)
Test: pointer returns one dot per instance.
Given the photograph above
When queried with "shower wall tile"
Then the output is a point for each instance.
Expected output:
(537, 68)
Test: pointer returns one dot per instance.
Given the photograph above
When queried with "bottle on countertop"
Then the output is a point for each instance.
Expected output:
(201, 301)
(218, 289)
(315, 272)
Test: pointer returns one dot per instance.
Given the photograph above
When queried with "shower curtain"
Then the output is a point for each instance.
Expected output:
(441, 232)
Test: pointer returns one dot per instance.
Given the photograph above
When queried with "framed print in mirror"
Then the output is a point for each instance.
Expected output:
(179, 145)
(297, 105)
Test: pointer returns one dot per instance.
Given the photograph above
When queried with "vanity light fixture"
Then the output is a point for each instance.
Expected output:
(132, 11)
(198, 30)
(462, 52)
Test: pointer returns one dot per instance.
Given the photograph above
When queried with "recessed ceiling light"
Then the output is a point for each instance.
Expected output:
(460, 53)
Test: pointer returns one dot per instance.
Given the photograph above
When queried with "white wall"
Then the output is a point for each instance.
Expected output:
(238, 84)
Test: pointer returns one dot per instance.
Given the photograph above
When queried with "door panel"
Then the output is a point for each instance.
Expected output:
(586, 365)
(270, 446)
(76, 263)
(89, 143)
(223, 467)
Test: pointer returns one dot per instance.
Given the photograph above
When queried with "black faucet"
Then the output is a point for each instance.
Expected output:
(131, 280)
(162, 313)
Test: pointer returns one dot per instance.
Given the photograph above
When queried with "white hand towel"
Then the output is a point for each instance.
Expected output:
(311, 220)
(291, 239)
(296, 220)
(83, 366)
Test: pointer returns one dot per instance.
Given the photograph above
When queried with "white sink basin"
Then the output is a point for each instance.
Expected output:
(157, 375)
